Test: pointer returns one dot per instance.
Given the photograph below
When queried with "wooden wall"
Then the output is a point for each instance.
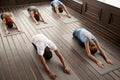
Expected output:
(18, 2)
(106, 15)
(77, 6)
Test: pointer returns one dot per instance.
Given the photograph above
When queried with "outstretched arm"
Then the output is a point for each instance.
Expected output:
(65, 9)
(50, 73)
(42, 17)
(98, 62)
(5, 27)
(103, 53)
(66, 70)
(19, 30)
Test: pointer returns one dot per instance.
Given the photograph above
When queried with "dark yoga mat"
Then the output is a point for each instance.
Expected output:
(13, 31)
(107, 67)
(41, 24)
(54, 64)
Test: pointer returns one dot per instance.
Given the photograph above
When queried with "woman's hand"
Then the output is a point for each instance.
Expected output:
(109, 61)
(66, 70)
(100, 64)
(52, 76)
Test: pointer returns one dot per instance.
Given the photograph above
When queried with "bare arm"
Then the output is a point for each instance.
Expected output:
(15, 24)
(98, 62)
(50, 73)
(41, 17)
(5, 27)
(103, 53)
(62, 61)
(65, 9)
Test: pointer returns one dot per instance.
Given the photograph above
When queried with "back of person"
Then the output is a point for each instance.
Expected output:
(35, 11)
(32, 8)
(7, 17)
(41, 42)
(81, 35)
(59, 3)
(40, 38)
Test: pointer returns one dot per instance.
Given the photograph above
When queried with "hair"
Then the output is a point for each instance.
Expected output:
(28, 9)
(93, 49)
(47, 54)
(60, 9)
(10, 24)
(36, 16)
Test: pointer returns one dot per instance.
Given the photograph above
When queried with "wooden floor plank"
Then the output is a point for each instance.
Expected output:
(108, 77)
(114, 76)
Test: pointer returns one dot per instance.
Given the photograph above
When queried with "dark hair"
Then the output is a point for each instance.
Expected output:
(93, 49)
(36, 16)
(28, 9)
(10, 24)
(47, 54)
(60, 9)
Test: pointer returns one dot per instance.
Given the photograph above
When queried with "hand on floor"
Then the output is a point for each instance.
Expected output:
(52, 76)
(19, 30)
(100, 64)
(109, 61)
(68, 16)
(45, 22)
(7, 32)
(66, 70)
(37, 23)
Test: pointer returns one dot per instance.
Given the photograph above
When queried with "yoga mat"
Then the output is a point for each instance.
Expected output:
(65, 18)
(41, 24)
(54, 64)
(68, 20)
(13, 31)
(107, 67)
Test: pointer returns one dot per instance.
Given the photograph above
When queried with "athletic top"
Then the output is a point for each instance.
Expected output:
(32, 8)
(3, 16)
(81, 35)
(41, 42)
(59, 3)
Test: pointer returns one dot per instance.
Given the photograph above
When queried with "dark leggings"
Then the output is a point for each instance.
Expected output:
(79, 41)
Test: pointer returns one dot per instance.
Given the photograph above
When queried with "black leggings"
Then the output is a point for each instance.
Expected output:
(79, 41)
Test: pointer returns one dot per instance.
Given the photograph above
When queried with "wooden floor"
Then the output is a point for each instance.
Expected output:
(18, 62)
